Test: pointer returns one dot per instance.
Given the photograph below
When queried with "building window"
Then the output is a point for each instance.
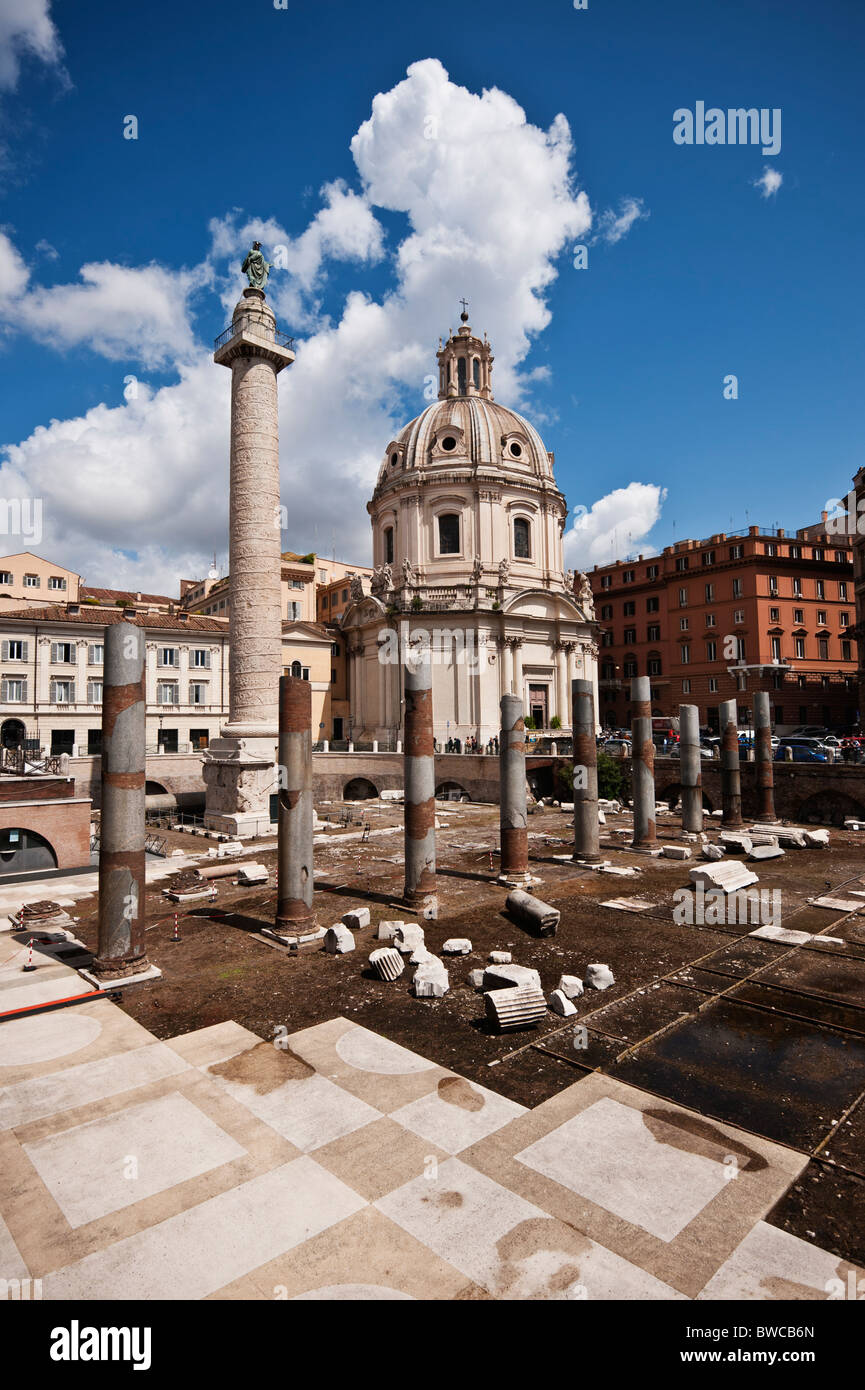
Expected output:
(627, 576)
(818, 554)
(334, 649)
(297, 583)
(13, 689)
(606, 639)
(711, 651)
(606, 581)
(799, 643)
(63, 653)
(774, 615)
(737, 552)
(55, 582)
(630, 636)
(94, 692)
(198, 693)
(629, 668)
(683, 598)
(200, 658)
(682, 563)
(797, 588)
(653, 634)
(94, 743)
(840, 557)
(740, 648)
(708, 557)
(6, 577)
(96, 654)
(776, 648)
(710, 620)
(31, 581)
(686, 686)
(798, 615)
(821, 617)
(683, 624)
(15, 650)
(737, 588)
(821, 589)
(654, 666)
(522, 539)
(652, 572)
(293, 613)
(653, 605)
(62, 692)
(773, 586)
(167, 656)
(802, 684)
(606, 612)
(686, 654)
(771, 548)
(449, 534)
(199, 738)
(713, 685)
(845, 651)
(795, 552)
(823, 649)
(167, 693)
(842, 590)
(630, 608)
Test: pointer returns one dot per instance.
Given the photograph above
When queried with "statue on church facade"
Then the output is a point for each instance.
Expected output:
(586, 597)
(255, 267)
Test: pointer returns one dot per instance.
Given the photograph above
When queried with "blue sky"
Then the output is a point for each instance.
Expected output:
(247, 112)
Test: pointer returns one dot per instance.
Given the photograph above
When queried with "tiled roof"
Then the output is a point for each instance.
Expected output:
(93, 616)
(131, 595)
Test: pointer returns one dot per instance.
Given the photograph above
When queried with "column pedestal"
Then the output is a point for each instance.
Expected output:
(240, 777)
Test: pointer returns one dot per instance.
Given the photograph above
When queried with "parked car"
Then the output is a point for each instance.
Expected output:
(705, 752)
(802, 753)
(617, 747)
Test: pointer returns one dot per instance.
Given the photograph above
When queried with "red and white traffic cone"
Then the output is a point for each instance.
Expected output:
(29, 965)
(175, 936)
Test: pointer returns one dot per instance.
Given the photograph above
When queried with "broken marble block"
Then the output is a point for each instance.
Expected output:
(476, 979)
(561, 1004)
(729, 876)
(599, 976)
(508, 976)
(431, 979)
(387, 963)
(252, 873)
(457, 946)
(530, 912)
(517, 1007)
(420, 953)
(766, 852)
(712, 852)
(571, 986)
(355, 919)
(816, 839)
(736, 842)
(500, 957)
(408, 938)
(338, 939)
(676, 852)
(387, 930)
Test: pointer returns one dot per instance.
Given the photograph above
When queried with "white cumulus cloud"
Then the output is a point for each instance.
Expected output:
(26, 30)
(614, 526)
(613, 226)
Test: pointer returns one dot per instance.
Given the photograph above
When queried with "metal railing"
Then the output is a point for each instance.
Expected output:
(248, 326)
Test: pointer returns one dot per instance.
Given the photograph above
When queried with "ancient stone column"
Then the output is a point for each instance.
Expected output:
(690, 768)
(121, 950)
(294, 915)
(731, 785)
(765, 765)
(419, 778)
(642, 765)
(586, 830)
(513, 820)
(238, 770)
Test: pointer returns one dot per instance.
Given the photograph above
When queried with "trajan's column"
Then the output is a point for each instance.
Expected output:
(240, 766)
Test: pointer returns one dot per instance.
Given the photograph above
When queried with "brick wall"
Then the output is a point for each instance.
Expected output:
(64, 824)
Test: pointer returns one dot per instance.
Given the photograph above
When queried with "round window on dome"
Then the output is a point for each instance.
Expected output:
(449, 443)
(517, 450)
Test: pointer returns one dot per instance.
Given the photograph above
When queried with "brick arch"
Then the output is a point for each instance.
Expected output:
(360, 789)
(830, 807)
(673, 792)
(36, 828)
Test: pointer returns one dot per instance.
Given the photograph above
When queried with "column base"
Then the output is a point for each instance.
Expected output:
(109, 977)
(425, 905)
(240, 775)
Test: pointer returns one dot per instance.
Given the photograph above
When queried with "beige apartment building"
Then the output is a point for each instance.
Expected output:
(28, 579)
(51, 661)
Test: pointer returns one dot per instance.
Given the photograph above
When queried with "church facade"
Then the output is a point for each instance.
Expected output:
(468, 526)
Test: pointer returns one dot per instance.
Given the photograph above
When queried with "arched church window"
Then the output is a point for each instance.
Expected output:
(388, 545)
(476, 373)
(296, 669)
(461, 375)
(522, 539)
(449, 534)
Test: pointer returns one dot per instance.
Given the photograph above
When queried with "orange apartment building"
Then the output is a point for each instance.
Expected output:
(717, 619)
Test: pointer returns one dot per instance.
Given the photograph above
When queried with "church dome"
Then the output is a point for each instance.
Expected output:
(465, 428)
